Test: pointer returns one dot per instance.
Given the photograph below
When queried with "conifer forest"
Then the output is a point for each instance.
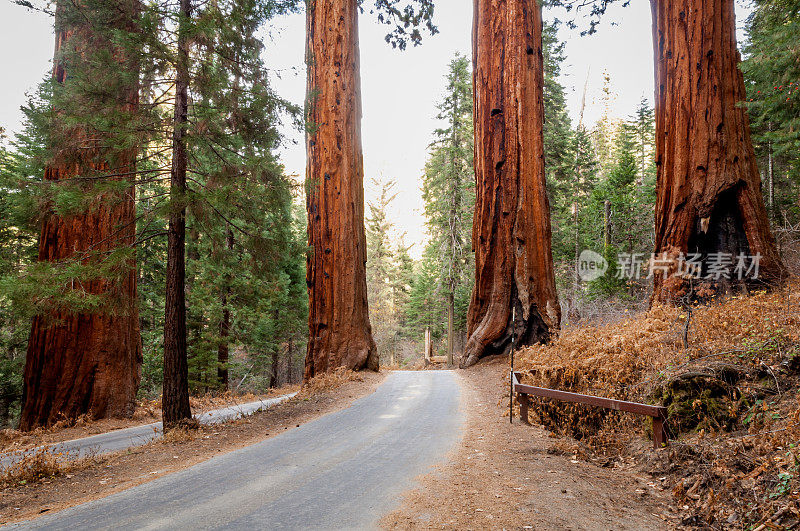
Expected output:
(181, 234)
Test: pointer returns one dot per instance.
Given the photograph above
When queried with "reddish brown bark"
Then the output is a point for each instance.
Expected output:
(340, 334)
(82, 363)
(511, 232)
(709, 189)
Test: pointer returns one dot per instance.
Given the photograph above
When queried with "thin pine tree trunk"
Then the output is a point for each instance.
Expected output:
(428, 346)
(771, 190)
(576, 236)
(511, 234)
(175, 399)
(273, 370)
(223, 353)
(195, 316)
(340, 334)
(289, 361)
(454, 236)
(450, 328)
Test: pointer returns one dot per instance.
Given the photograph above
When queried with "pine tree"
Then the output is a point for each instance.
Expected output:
(175, 396)
(559, 149)
(604, 135)
(381, 268)
(17, 249)
(448, 189)
(235, 199)
(402, 285)
(644, 132)
(569, 157)
(581, 224)
(424, 308)
(241, 217)
(772, 79)
(571, 175)
(614, 200)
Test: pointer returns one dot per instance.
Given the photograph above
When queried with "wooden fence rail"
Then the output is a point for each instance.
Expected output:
(658, 413)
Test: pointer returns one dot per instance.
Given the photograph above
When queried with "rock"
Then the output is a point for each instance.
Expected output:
(700, 400)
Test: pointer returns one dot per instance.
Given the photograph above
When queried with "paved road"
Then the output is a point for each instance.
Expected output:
(341, 471)
(117, 440)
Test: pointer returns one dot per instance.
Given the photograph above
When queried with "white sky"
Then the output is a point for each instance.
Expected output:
(400, 89)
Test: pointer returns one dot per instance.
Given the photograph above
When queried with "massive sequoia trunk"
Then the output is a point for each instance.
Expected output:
(340, 334)
(511, 232)
(709, 191)
(88, 363)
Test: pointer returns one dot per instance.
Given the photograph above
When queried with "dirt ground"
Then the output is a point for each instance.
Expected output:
(100, 477)
(505, 476)
(147, 412)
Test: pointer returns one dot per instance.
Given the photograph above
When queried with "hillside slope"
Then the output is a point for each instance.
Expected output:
(730, 380)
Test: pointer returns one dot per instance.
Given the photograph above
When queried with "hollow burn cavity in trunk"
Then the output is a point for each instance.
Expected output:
(725, 232)
(526, 331)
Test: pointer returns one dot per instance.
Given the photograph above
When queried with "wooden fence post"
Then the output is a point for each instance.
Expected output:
(428, 346)
(524, 402)
(659, 433)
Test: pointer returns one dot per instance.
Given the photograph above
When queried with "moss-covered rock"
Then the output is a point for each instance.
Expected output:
(696, 400)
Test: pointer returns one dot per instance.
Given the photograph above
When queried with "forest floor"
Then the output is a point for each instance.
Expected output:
(58, 486)
(512, 476)
(730, 379)
(147, 412)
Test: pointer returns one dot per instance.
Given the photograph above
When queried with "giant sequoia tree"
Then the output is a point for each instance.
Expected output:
(340, 334)
(87, 360)
(709, 196)
(511, 235)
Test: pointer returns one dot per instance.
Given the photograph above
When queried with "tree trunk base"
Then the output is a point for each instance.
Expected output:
(529, 331)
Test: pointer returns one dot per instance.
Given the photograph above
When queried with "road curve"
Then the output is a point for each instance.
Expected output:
(116, 440)
(341, 471)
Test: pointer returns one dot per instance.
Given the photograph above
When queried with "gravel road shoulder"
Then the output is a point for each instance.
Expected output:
(503, 476)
